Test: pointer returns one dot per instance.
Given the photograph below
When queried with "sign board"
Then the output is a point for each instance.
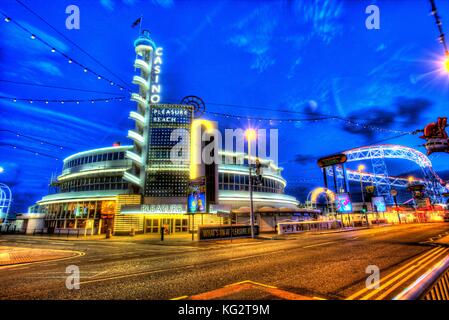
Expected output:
(226, 231)
(416, 187)
(343, 203)
(378, 204)
(196, 196)
(332, 160)
(154, 209)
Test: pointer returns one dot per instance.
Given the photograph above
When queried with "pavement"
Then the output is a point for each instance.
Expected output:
(10, 255)
(309, 266)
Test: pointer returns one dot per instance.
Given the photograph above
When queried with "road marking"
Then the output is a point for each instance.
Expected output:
(251, 282)
(362, 291)
(318, 244)
(395, 286)
(179, 298)
(398, 277)
(136, 274)
(78, 254)
(22, 268)
(92, 260)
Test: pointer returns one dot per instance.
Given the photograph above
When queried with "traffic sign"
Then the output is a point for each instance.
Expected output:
(332, 160)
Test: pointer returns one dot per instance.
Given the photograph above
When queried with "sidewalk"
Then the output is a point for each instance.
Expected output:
(20, 255)
(442, 241)
(173, 239)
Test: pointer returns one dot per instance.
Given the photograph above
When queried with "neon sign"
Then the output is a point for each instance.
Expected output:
(156, 70)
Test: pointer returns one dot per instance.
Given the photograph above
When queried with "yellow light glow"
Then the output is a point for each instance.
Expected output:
(411, 179)
(250, 134)
(316, 192)
(360, 168)
(446, 64)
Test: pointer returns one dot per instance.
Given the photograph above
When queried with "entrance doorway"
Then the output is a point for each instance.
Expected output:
(172, 225)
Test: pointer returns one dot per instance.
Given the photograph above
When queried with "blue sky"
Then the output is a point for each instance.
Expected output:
(304, 56)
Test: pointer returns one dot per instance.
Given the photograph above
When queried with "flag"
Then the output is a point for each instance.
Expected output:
(136, 23)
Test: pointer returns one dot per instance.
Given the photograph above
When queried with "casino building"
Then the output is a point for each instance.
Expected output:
(143, 186)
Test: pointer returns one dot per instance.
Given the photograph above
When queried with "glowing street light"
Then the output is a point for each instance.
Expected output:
(250, 135)
(446, 64)
(410, 179)
(2, 169)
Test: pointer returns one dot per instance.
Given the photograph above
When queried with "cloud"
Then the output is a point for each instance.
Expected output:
(63, 119)
(259, 32)
(405, 113)
(108, 4)
(164, 3)
(45, 66)
(321, 18)
(304, 159)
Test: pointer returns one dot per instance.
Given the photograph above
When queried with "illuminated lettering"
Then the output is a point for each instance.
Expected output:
(156, 70)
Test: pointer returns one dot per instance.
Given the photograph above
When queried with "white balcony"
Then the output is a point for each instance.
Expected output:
(136, 137)
(141, 82)
(134, 157)
(137, 117)
(141, 49)
(143, 65)
(138, 98)
(132, 179)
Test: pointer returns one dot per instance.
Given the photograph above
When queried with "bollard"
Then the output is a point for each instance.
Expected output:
(108, 233)
(162, 233)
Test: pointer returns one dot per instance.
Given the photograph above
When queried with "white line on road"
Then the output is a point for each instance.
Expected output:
(319, 244)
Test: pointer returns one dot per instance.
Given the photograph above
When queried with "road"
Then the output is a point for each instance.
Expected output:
(325, 266)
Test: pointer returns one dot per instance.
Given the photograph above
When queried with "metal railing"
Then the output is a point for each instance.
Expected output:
(10, 229)
(432, 285)
(59, 232)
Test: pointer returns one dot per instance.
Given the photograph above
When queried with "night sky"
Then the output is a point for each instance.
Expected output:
(311, 58)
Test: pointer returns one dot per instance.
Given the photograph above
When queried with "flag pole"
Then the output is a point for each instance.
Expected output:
(140, 24)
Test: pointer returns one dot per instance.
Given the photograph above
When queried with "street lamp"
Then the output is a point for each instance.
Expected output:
(411, 179)
(250, 135)
(446, 64)
(2, 169)
(360, 169)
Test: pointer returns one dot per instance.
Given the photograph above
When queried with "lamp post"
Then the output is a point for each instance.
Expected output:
(250, 135)
(360, 169)
(411, 179)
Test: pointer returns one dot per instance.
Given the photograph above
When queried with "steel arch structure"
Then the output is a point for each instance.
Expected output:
(5, 200)
(380, 177)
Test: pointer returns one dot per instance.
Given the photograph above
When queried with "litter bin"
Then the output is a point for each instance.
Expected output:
(108, 233)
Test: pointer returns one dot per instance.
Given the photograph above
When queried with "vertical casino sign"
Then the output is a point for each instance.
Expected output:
(155, 96)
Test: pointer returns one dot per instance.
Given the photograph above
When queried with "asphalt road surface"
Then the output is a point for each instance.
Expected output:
(326, 266)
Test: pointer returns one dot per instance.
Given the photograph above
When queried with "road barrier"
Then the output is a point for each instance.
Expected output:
(432, 285)
(296, 227)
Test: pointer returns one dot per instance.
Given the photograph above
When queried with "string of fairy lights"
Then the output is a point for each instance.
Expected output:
(53, 49)
(89, 71)
(62, 101)
(441, 37)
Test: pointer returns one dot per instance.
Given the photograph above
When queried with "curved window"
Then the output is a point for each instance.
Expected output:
(94, 183)
(240, 182)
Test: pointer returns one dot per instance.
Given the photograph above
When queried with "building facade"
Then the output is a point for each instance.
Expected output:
(142, 187)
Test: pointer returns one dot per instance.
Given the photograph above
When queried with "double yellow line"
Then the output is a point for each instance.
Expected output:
(398, 277)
